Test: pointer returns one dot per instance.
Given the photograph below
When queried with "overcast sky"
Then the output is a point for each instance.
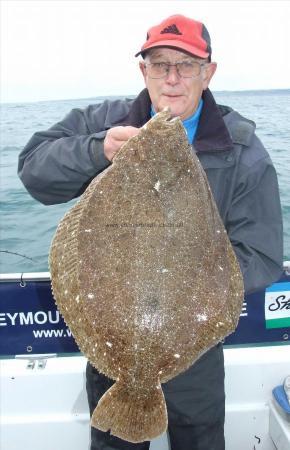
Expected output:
(63, 49)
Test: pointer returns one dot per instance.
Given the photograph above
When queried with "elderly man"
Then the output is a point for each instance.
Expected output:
(58, 164)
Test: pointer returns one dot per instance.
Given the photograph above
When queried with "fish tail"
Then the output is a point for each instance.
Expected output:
(129, 415)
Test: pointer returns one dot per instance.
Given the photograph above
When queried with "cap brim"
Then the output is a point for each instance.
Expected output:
(177, 45)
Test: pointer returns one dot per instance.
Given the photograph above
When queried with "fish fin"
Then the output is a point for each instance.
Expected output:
(129, 416)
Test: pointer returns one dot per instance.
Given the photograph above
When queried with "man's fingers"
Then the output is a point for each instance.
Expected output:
(116, 137)
(123, 133)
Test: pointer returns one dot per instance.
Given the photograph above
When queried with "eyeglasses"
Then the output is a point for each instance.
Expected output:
(185, 69)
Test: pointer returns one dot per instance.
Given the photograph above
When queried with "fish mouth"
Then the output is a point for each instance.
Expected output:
(167, 116)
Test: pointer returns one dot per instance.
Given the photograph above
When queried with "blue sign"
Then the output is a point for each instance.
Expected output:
(31, 323)
(253, 327)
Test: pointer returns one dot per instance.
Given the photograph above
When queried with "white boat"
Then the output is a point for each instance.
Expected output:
(43, 403)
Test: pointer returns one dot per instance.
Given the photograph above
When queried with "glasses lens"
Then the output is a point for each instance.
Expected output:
(157, 70)
(188, 69)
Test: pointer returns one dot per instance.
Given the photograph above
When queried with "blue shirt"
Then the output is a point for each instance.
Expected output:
(189, 124)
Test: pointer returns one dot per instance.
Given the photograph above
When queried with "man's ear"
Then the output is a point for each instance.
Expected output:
(142, 68)
(208, 73)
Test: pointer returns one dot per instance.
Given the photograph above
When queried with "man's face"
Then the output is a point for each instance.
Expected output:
(180, 94)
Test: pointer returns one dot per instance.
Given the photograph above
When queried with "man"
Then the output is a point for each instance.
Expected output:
(58, 164)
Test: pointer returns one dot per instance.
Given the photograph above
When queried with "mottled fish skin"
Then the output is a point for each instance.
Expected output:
(145, 276)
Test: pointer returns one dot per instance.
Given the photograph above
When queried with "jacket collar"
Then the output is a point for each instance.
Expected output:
(139, 113)
(211, 135)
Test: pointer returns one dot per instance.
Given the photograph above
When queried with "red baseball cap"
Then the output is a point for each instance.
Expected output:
(181, 33)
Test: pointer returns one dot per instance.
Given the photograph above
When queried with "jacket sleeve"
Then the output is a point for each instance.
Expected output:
(56, 165)
(254, 223)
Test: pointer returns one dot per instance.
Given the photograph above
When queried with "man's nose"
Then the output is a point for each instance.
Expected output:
(172, 75)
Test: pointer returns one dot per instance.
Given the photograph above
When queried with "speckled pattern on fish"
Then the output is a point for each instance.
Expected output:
(145, 276)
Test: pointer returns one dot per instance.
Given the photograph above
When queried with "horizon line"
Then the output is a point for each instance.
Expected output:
(134, 95)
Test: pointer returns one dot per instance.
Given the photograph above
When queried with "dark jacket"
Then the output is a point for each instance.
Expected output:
(57, 165)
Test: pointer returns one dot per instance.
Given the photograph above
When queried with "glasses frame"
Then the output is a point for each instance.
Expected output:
(168, 65)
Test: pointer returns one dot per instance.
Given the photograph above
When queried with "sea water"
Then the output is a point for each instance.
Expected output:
(27, 226)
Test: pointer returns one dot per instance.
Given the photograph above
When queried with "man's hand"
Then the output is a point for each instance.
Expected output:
(115, 138)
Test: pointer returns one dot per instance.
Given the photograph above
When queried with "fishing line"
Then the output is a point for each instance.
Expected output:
(17, 254)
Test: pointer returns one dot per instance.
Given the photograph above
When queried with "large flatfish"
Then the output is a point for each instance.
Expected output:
(145, 276)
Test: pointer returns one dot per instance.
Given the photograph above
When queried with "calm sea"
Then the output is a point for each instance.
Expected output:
(27, 226)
